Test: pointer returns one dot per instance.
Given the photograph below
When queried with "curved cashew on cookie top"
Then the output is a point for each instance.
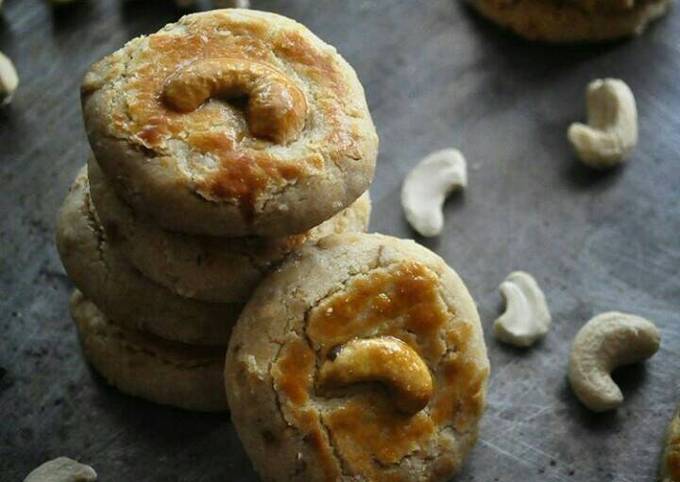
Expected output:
(606, 342)
(385, 359)
(167, 121)
(276, 107)
(378, 372)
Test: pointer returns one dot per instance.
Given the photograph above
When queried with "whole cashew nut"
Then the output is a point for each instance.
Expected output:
(386, 360)
(607, 341)
(9, 80)
(62, 469)
(276, 108)
(612, 130)
(527, 317)
(426, 187)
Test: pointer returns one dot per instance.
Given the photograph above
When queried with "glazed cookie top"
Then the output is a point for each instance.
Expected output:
(362, 356)
(231, 122)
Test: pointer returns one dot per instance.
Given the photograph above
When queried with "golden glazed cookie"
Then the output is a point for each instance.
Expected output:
(204, 267)
(360, 358)
(572, 21)
(161, 371)
(124, 295)
(670, 462)
(231, 123)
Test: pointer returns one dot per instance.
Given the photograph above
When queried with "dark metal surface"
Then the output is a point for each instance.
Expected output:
(435, 76)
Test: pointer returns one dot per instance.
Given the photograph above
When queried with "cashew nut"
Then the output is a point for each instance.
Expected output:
(612, 130)
(9, 80)
(426, 187)
(526, 317)
(607, 341)
(276, 108)
(62, 469)
(386, 360)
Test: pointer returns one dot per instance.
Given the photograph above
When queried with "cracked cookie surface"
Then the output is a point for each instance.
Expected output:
(327, 301)
(121, 292)
(206, 167)
(207, 268)
(161, 371)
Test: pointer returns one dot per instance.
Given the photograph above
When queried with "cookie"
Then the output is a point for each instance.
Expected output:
(573, 21)
(360, 358)
(161, 371)
(231, 123)
(204, 267)
(125, 296)
(670, 462)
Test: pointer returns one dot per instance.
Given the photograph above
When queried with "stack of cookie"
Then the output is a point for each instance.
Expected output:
(220, 145)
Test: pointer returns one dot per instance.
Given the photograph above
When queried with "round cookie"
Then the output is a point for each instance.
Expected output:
(573, 21)
(231, 123)
(124, 295)
(204, 267)
(161, 371)
(360, 358)
(670, 462)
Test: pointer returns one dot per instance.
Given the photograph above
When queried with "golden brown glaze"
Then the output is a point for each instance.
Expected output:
(183, 86)
(368, 430)
(293, 377)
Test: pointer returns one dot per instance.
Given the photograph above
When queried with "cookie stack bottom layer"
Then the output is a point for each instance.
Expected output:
(161, 371)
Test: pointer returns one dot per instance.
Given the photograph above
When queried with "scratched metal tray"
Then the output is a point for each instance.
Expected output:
(435, 76)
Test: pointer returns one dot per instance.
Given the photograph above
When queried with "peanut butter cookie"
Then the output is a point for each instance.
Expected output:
(573, 21)
(231, 123)
(360, 358)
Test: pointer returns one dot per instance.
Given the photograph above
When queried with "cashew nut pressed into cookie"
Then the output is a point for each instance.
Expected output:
(9, 80)
(276, 108)
(607, 341)
(386, 360)
(426, 187)
(526, 317)
(62, 469)
(612, 130)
